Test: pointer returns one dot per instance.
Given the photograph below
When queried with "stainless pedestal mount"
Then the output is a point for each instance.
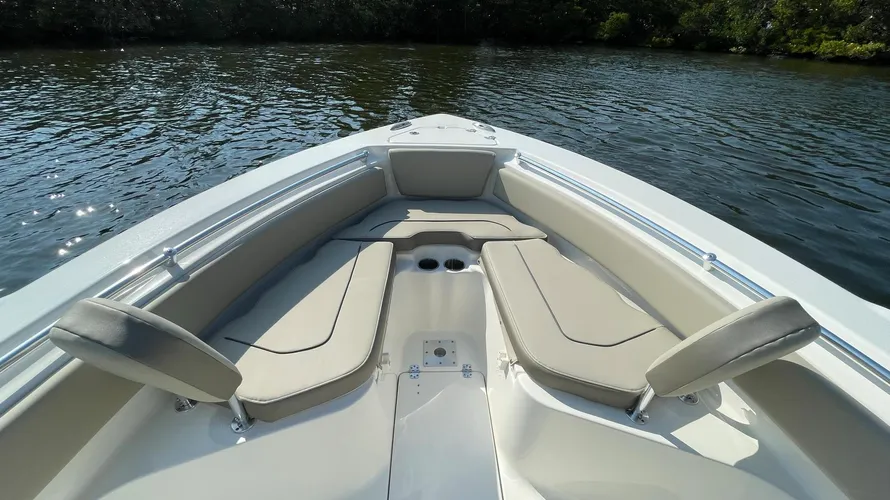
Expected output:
(184, 404)
(242, 422)
(638, 413)
(439, 353)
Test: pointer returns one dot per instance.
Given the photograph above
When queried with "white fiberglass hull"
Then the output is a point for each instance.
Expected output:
(484, 429)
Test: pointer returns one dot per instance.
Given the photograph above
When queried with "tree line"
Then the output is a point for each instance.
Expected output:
(828, 29)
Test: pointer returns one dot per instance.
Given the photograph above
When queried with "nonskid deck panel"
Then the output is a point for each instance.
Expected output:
(442, 441)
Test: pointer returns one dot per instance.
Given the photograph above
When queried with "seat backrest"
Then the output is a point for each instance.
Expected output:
(683, 301)
(140, 346)
(193, 304)
(441, 173)
(744, 340)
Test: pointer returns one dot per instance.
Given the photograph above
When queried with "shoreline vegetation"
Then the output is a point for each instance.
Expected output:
(842, 30)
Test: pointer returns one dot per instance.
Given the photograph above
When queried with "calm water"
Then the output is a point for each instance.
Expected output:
(795, 153)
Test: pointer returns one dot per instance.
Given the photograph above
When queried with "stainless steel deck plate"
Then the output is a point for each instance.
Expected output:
(439, 353)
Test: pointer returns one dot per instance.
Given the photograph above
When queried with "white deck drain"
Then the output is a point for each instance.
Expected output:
(441, 353)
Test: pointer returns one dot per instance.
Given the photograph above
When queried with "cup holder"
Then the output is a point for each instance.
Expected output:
(454, 264)
(428, 264)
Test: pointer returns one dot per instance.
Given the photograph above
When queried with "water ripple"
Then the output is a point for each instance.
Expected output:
(795, 153)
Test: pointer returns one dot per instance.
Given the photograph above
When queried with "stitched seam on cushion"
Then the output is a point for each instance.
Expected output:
(439, 220)
(556, 320)
(555, 370)
(535, 359)
(346, 290)
(740, 318)
(342, 299)
(506, 304)
(540, 292)
(619, 343)
(347, 374)
(746, 354)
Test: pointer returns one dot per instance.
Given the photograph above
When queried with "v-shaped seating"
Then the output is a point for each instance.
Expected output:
(411, 223)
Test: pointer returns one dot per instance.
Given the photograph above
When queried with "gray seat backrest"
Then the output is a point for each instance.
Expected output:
(441, 173)
(744, 340)
(145, 348)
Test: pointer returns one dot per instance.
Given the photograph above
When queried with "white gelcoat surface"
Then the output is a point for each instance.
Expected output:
(442, 440)
(442, 443)
(555, 445)
(548, 444)
(466, 135)
(93, 459)
(340, 449)
(374, 444)
(436, 305)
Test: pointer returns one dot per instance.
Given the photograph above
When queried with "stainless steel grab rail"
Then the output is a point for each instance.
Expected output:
(709, 261)
(169, 254)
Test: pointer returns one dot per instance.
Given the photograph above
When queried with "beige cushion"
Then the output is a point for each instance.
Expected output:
(194, 303)
(411, 223)
(315, 335)
(299, 312)
(55, 420)
(742, 341)
(679, 298)
(145, 348)
(568, 329)
(441, 173)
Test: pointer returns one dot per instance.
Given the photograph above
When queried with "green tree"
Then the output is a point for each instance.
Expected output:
(616, 27)
(830, 29)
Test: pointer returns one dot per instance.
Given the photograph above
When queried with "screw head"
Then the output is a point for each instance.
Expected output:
(640, 419)
(239, 427)
(170, 254)
(690, 399)
(707, 261)
(183, 405)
